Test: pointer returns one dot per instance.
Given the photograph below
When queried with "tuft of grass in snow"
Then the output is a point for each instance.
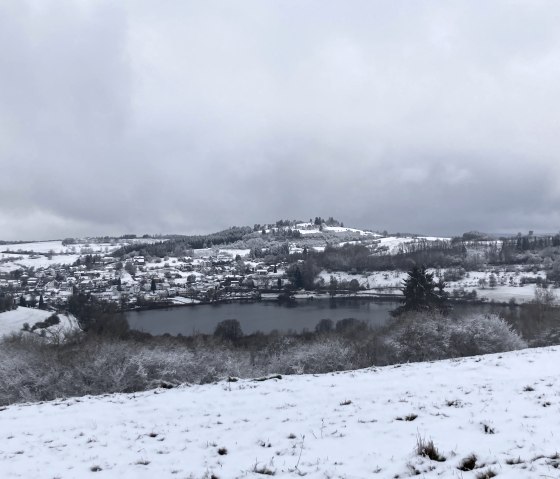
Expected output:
(263, 470)
(468, 463)
(427, 449)
(487, 474)
(488, 429)
(408, 417)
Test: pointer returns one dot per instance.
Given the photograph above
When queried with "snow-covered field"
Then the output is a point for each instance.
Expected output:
(13, 321)
(234, 252)
(37, 247)
(312, 229)
(392, 244)
(503, 292)
(56, 247)
(342, 229)
(44, 254)
(15, 261)
(503, 408)
(378, 279)
(83, 246)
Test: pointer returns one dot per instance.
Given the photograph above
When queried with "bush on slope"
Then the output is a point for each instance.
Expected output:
(32, 369)
(426, 337)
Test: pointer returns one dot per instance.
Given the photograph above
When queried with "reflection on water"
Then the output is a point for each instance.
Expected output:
(534, 323)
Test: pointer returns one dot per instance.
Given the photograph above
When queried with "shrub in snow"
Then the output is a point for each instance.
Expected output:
(426, 448)
(324, 326)
(350, 326)
(483, 334)
(318, 357)
(416, 337)
(468, 463)
(424, 336)
(52, 320)
(229, 329)
(32, 369)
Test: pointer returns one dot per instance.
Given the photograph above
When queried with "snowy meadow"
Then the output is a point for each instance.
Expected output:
(478, 417)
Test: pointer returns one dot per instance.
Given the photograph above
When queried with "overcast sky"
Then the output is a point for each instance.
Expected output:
(186, 117)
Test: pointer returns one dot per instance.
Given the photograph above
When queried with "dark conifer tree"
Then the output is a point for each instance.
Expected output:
(421, 292)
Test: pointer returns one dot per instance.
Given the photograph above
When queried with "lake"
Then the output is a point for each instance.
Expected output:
(264, 316)
(267, 316)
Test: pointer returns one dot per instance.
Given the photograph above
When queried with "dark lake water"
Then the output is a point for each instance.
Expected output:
(263, 316)
(269, 316)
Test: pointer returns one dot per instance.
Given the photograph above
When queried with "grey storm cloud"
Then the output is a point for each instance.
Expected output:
(184, 117)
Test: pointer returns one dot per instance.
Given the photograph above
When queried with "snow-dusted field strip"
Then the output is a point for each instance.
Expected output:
(501, 293)
(38, 247)
(56, 247)
(27, 261)
(337, 425)
(13, 321)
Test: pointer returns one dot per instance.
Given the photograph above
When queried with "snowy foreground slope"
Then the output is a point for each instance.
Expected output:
(504, 408)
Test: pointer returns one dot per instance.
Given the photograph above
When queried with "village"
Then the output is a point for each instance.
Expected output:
(209, 276)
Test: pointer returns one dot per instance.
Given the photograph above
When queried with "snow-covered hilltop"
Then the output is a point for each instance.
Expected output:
(488, 415)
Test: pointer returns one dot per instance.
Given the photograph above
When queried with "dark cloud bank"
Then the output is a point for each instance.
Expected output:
(138, 116)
